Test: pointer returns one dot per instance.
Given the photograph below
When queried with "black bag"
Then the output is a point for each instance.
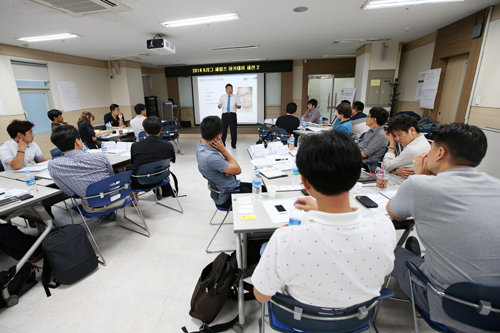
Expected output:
(23, 281)
(186, 124)
(167, 190)
(68, 254)
(218, 281)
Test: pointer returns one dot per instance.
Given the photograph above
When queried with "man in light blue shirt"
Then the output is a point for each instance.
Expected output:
(229, 103)
(343, 122)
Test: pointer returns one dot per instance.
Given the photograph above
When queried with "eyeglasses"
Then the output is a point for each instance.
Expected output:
(248, 94)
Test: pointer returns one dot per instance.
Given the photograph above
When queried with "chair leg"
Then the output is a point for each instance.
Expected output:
(179, 147)
(377, 309)
(216, 210)
(217, 251)
(413, 305)
(262, 323)
(143, 226)
(181, 210)
(103, 261)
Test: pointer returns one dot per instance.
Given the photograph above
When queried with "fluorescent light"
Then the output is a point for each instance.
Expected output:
(202, 20)
(226, 48)
(49, 37)
(242, 60)
(376, 4)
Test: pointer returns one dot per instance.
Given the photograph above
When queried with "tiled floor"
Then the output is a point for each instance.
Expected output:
(147, 283)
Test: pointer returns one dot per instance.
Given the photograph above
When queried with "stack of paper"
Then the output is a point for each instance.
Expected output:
(35, 167)
(271, 173)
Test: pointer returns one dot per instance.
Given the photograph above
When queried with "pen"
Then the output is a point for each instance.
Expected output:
(2, 193)
(280, 159)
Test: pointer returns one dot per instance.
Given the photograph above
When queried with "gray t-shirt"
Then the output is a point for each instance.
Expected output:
(374, 145)
(211, 165)
(457, 222)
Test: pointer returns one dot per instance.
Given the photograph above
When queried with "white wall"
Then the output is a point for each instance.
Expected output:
(135, 89)
(361, 76)
(392, 56)
(159, 82)
(413, 62)
(8, 90)
(488, 84)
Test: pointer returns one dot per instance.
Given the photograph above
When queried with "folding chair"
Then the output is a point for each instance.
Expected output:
(289, 315)
(152, 173)
(170, 132)
(280, 134)
(468, 303)
(265, 135)
(56, 152)
(104, 193)
(142, 135)
(213, 189)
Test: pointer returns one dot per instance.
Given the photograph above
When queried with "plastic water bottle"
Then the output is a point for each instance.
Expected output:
(30, 181)
(108, 126)
(256, 184)
(320, 122)
(295, 174)
(104, 148)
(295, 216)
(84, 148)
(291, 142)
(303, 122)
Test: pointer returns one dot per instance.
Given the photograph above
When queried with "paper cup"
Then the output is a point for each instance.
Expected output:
(271, 190)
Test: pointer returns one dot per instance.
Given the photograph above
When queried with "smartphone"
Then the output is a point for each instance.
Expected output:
(304, 192)
(367, 202)
(280, 208)
(25, 196)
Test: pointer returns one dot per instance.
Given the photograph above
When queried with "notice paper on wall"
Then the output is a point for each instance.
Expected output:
(347, 94)
(429, 88)
(420, 83)
(69, 96)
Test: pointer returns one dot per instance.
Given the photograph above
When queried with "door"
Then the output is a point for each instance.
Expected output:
(320, 88)
(35, 105)
(452, 89)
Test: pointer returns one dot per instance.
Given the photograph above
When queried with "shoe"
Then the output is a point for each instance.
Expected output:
(111, 216)
(159, 195)
(234, 147)
(413, 246)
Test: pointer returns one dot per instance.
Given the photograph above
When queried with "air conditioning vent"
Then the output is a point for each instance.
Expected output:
(80, 8)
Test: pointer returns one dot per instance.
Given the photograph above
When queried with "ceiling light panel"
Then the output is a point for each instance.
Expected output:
(202, 20)
(47, 38)
(378, 4)
(227, 48)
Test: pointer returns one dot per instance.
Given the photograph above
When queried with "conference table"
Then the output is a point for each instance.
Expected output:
(263, 223)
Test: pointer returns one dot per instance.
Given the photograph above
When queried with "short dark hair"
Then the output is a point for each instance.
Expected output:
(360, 106)
(64, 137)
(229, 85)
(152, 125)
(53, 114)
(313, 102)
(112, 107)
(344, 109)
(337, 162)
(19, 126)
(139, 107)
(210, 127)
(345, 101)
(291, 107)
(466, 144)
(403, 122)
(380, 114)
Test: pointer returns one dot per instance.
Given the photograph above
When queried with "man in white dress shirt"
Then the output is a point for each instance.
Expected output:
(136, 123)
(337, 257)
(229, 103)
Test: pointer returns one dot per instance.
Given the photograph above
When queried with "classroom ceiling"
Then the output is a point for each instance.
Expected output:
(280, 32)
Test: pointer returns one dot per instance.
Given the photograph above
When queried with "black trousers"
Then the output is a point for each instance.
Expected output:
(229, 118)
(14, 242)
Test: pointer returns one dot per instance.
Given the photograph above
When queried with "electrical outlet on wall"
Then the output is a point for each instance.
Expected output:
(478, 100)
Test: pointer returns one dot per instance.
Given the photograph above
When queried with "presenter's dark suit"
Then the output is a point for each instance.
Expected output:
(229, 118)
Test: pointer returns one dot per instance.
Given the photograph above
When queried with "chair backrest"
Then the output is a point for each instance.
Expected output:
(56, 152)
(153, 173)
(142, 135)
(170, 131)
(303, 317)
(109, 190)
(2, 169)
(483, 310)
(280, 134)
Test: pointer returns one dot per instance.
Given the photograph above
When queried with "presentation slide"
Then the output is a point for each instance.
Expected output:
(207, 91)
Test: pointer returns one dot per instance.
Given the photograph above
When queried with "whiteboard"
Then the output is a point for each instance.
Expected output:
(491, 161)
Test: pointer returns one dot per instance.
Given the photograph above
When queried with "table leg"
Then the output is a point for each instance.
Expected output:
(241, 291)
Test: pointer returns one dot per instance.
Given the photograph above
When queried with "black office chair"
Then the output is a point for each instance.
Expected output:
(265, 135)
(468, 303)
(170, 132)
(286, 314)
(280, 134)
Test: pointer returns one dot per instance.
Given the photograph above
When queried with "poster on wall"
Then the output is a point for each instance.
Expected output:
(429, 88)
(420, 83)
(69, 96)
(347, 94)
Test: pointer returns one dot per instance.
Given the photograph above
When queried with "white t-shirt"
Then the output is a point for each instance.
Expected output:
(9, 149)
(136, 124)
(331, 260)
(405, 159)
(234, 100)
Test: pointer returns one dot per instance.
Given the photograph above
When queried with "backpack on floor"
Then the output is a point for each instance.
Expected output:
(218, 281)
(19, 283)
(68, 256)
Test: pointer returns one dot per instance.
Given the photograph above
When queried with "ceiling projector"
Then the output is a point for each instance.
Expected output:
(160, 46)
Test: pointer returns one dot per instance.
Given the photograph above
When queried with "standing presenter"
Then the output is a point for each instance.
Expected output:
(229, 103)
